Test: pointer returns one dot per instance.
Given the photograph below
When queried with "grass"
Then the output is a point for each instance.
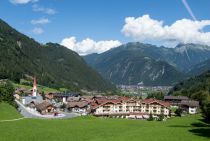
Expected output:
(99, 129)
(40, 88)
(7, 112)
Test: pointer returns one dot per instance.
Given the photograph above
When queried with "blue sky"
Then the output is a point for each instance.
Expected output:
(98, 20)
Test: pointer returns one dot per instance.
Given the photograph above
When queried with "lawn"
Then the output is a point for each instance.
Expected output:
(189, 128)
(8, 112)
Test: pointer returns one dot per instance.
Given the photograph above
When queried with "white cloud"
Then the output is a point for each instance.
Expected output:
(22, 1)
(88, 46)
(38, 8)
(185, 30)
(40, 21)
(38, 30)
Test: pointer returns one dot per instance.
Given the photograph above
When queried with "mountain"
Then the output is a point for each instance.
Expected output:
(200, 68)
(130, 65)
(52, 64)
(188, 55)
(137, 62)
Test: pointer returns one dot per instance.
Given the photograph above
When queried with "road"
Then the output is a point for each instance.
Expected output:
(27, 113)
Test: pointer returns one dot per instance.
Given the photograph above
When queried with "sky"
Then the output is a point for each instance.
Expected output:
(95, 26)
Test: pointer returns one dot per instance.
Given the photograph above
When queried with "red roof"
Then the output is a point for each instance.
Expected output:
(152, 100)
(102, 102)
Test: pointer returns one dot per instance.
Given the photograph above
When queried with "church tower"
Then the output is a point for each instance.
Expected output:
(34, 94)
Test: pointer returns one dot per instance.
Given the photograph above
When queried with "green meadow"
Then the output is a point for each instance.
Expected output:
(188, 128)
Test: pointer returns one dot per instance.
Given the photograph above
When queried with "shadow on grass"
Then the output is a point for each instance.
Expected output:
(203, 129)
(180, 126)
(204, 132)
(200, 124)
(197, 128)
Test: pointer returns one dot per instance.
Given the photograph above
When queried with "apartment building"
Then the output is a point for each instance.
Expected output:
(130, 107)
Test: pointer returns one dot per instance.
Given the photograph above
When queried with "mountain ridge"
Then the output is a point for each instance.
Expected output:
(179, 60)
(53, 65)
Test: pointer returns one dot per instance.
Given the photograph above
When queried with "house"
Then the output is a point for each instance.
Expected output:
(49, 96)
(190, 106)
(45, 108)
(78, 107)
(175, 100)
(62, 97)
(130, 108)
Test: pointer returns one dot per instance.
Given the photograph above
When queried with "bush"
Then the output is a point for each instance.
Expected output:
(179, 112)
(161, 117)
(6, 92)
(150, 117)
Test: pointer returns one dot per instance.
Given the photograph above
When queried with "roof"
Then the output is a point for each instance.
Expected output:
(123, 98)
(104, 102)
(42, 106)
(170, 97)
(73, 98)
(87, 97)
(64, 94)
(190, 103)
(152, 100)
(77, 104)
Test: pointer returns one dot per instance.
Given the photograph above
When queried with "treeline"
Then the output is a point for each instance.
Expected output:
(197, 88)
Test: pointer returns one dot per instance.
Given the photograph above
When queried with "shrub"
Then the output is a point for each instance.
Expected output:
(150, 117)
(179, 112)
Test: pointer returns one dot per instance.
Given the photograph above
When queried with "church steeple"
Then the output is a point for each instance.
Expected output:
(34, 94)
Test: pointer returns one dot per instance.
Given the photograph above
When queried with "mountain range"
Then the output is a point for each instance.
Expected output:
(133, 63)
(138, 63)
(53, 65)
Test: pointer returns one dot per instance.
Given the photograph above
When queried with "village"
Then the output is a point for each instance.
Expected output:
(57, 105)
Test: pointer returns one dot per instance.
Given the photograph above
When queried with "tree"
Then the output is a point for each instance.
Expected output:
(179, 112)
(6, 92)
(150, 117)
(206, 111)
(43, 95)
(157, 95)
(161, 117)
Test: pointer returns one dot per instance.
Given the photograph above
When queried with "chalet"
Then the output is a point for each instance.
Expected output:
(78, 107)
(175, 100)
(190, 106)
(49, 96)
(45, 108)
(62, 97)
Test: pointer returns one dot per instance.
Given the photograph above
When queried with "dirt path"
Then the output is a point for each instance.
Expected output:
(12, 119)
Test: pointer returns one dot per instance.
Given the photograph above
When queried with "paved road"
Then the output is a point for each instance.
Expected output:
(33, 114)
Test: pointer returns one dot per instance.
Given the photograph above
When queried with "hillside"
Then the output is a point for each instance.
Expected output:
(197, 88)
(52, 64)
(200, 68)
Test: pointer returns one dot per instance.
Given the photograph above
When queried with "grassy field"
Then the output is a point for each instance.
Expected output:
(40, 88)
(189, 128)
(8, 112)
